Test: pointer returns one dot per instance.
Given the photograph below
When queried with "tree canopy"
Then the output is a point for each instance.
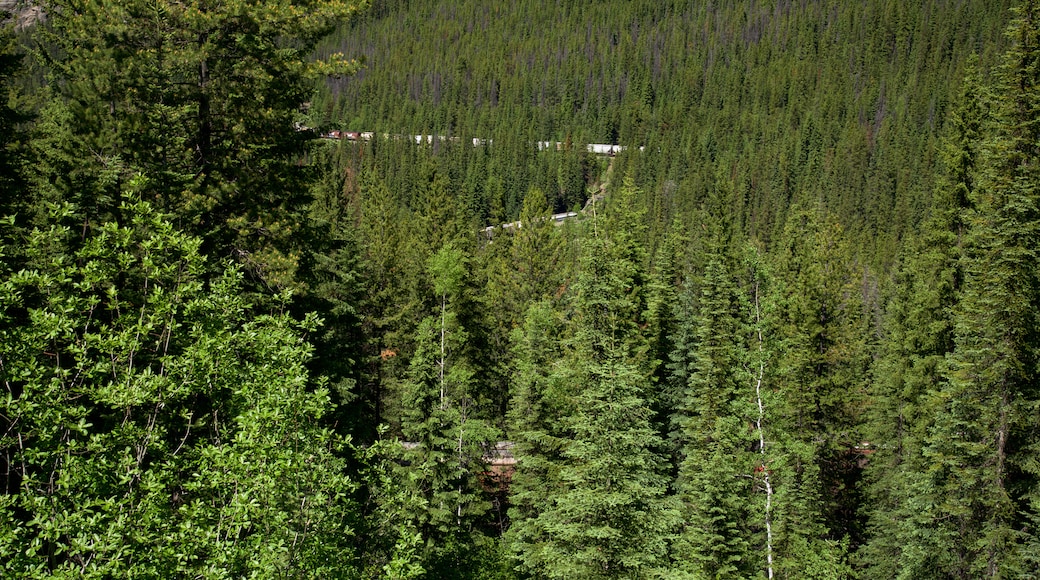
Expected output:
(335, 288)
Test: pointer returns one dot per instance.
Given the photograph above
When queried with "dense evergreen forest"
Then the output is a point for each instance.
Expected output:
(250, 327)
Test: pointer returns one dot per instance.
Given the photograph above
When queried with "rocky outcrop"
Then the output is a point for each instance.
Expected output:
(24, 13)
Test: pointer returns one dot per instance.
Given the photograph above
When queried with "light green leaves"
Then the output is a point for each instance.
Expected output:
(154, 426)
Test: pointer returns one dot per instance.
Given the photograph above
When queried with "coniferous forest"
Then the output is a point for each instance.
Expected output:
(542, 289)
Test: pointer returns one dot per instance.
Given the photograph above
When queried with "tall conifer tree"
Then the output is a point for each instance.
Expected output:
(907, 535)
(715, 475)
(201, 97)
(610, 518)
(539, 398)
(445, 423)
(984, 444)
(12, 138)
(819, 375)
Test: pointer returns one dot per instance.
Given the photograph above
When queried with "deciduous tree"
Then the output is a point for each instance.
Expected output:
(151, 425)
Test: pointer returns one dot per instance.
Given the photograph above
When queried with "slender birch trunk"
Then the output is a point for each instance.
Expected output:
(761, 435)
(442, 361)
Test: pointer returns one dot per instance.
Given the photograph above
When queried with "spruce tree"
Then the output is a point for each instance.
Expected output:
(445, 423)
(539, 398)
(662, 319)
(907, 535)
(611, 518)
(205, 99)
(12, 136)
(717, 469)
(819, 376)
(983, 445)
(523, 266)
(393, 263)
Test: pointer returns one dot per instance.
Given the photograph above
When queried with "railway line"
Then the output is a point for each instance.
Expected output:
(602, 149)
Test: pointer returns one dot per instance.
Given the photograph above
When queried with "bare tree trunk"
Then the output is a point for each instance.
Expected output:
(762, 437)
(442, 360)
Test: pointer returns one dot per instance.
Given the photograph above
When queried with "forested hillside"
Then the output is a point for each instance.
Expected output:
(769, 104)
(249, 326)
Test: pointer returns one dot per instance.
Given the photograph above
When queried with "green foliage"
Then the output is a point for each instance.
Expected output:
(445, 423)
(786, 102)
(716, 470)
(539, 398)
(962, 365)
(153, 427)
(331, 282)
(919, 336)
(202, 98)
(859, 390)
(607, 514)
(982, 446)
(394, 544)
(12, 139)
(819, 376)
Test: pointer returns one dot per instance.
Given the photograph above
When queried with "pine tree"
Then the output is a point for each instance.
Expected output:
(445, 422)
(717, 469)
(523, 265)
(539, 399)
(331, 279)
(983, 445)
(202, 98)
(393, 304)
(535, 255)
(662, 318)
(819, 374)
(610, 518)
(907, 536)
(12, 138)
